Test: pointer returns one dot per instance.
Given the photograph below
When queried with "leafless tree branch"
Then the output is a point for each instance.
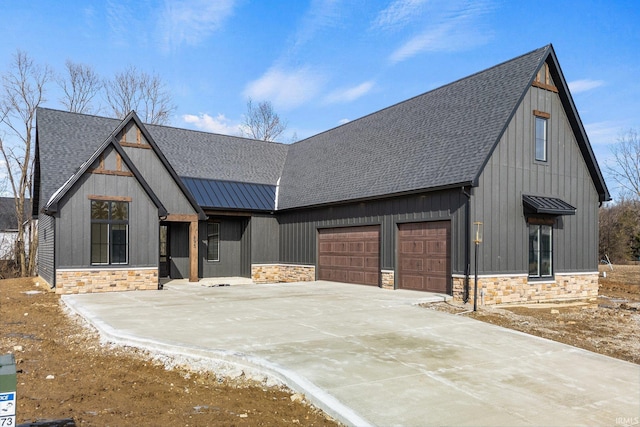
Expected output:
(145, 93)
(80, 85)
(23, 90)
(262, 122)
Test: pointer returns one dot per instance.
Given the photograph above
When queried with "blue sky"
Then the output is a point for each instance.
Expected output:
(324, 62)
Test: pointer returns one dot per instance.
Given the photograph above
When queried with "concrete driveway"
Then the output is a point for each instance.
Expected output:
(369, 356)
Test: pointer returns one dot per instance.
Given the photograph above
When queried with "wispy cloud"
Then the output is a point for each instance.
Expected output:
(219, 124)
(321, 15)
(435, 26)
(191, 21)
(285, 88)
(343, 121)
(398, 14)
(349, 94)
(604, 133)
(584, 85)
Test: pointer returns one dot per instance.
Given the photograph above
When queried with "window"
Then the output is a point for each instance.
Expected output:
(109, 232)
(540, 250)
(213, 241)
(541, 138)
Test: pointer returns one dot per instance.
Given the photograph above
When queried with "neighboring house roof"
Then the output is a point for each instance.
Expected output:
(8, 213)
(440, 139)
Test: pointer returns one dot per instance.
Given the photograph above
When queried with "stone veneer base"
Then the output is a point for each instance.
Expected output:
(282, 273)
(519, 289)
(84, 281)
(388, 279)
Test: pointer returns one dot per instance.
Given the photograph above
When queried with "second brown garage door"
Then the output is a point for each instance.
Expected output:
(349, 254)
(424, 260)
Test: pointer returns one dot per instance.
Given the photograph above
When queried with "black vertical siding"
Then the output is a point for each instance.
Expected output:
(73, 225)
(234, 252)
(512, 172)
(265, 239)
(298, 228)
(46, 246)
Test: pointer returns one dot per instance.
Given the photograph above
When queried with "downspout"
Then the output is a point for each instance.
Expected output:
(467, 244)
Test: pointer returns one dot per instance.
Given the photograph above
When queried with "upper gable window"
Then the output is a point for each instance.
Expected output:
(541, 132)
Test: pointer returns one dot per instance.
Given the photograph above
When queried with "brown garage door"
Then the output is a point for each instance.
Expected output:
(424, 260)
(350, 255)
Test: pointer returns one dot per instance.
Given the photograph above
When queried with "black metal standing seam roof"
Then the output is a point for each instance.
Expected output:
(547, 205)
(215, 194)
(437, 139)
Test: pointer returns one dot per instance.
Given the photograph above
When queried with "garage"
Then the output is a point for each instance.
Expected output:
(424, 259)
(349, 255)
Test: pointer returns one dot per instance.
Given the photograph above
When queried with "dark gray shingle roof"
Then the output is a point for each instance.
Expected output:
(66, 140)
(437, 139)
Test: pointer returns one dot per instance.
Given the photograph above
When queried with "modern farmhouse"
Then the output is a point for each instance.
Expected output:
(388, 200)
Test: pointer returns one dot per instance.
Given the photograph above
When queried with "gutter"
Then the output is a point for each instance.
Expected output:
(467, 244)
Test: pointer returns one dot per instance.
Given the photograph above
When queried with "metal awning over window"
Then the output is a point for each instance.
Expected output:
(547, 205)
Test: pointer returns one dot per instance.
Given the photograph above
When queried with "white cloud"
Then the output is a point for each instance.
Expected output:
(322, 14)
(285, 88)
(191, 21)
(578, 86)
(454, 35)
(604, 133)
(343, 121)
(435, 25)
(349, 94)
(218, 124)
(398, 14)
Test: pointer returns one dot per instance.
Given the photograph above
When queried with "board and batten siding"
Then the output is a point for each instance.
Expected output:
(513, 171)
(298, 229)
(74, 221)
(265, 239)
(46, 240)
(234, 248)
(160, 180)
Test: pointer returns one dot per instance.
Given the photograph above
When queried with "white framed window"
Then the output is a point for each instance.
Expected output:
(541, 132)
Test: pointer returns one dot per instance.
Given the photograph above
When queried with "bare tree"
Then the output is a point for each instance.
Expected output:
(626, 172)
(23, 90)
(80, 85)
(262, 122)
(145, 93)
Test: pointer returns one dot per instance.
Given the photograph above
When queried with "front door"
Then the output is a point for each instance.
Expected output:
(164, 251)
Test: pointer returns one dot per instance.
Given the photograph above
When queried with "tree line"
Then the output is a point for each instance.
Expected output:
(620, 221)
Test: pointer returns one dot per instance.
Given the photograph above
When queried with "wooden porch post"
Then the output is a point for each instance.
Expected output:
(193, 251)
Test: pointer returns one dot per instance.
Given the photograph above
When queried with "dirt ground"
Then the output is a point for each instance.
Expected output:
(610, 325)
(65, 373)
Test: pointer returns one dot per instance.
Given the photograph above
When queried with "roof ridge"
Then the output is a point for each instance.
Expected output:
(541, 49)
(164, 126)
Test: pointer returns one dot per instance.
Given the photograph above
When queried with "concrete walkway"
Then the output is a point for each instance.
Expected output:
(369, 356)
